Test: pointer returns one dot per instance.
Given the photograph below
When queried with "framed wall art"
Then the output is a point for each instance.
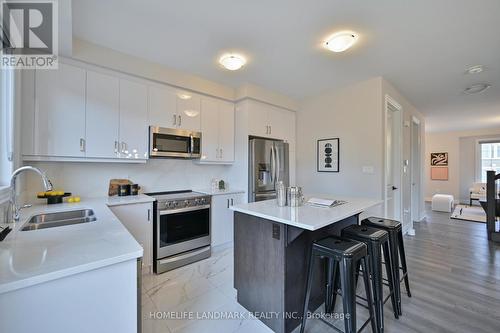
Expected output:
(439, 159)
(328, 155)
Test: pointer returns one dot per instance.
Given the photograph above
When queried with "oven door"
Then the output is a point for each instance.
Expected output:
(166, 142)
(181, 230)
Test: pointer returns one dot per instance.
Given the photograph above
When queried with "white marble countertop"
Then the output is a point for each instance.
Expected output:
(223, 192)
(31, 257)
(306, 216)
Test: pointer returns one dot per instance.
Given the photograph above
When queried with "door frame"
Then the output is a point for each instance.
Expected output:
(416, 214)
(399, 151)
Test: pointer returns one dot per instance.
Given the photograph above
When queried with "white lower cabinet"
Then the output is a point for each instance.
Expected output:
(222, 217)
(138, 219)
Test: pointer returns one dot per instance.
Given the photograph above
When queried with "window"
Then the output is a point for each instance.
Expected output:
(490, 158)
(6, 124)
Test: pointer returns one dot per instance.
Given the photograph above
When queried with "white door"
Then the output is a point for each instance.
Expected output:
(279, 123)
(162, 107)
(137, 218)
(60, 112)
(209, 130)
(133, 120)
(393, 200)
(226, 131)
(102, 116)
(188, 112)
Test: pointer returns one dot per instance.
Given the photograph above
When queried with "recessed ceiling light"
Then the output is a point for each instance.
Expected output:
(476, 88)
(475, 69)
(341, 41)
(232, 61)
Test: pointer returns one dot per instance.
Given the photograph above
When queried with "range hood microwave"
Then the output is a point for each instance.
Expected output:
(175, 143)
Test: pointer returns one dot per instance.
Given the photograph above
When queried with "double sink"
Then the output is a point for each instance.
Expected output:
(58, 219)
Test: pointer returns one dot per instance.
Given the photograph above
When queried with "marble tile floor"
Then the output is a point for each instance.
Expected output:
(454, 276)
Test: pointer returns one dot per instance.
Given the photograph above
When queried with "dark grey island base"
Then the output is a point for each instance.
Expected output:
(270, 268)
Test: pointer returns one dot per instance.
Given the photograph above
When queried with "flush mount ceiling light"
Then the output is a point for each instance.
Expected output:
(476, 88)
(475, 69)
(341, 41)
(184, 96)
(232, 61)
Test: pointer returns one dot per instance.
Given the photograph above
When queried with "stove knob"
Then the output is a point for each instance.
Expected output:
(186, 203)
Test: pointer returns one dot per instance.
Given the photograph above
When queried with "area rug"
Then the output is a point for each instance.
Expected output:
(468, 213)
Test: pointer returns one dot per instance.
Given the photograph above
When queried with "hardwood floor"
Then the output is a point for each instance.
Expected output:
(454, 280)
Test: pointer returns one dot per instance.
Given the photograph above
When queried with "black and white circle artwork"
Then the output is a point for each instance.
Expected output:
(328, 155)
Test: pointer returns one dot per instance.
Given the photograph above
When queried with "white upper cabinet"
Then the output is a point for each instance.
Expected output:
(133, 120)
(226, 131)
(103, 115)
(59, 125)
(209, 129)
(271, 122)
(162, 106)
(258, 124)
(217, 131)
(188, 112)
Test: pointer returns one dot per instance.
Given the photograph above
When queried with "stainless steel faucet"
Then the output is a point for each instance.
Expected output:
(13, 195)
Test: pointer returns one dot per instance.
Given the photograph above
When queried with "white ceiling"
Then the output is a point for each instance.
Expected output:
(423, 47)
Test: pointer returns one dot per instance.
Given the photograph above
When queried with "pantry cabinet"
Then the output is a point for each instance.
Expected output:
(59, 115)
(222, 217)
(217, 128)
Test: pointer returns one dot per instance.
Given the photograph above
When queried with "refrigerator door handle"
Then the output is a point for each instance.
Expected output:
(272, 164)
(277, 165)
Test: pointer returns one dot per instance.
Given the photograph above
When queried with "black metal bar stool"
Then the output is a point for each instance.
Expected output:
(348, 255)
(376, 239)
(397, 250)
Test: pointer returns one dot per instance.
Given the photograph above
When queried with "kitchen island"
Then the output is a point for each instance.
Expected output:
(271, 253)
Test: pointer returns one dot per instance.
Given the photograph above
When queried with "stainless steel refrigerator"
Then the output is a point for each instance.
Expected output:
(268, 164)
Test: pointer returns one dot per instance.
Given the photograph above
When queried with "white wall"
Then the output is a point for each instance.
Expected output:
(354, 114)
(461, 148)
(92, 179)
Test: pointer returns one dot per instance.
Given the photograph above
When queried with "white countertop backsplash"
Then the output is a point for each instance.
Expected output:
(32, 257)
(306, 216)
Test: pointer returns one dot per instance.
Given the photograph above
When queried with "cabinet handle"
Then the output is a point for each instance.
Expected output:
(82, 145)
(267, 129)
(220, 152)
(116, 147)
(232, 202)
(180, 120)
(149, 215)
(270, 129)
(227, 203)
(175, 119)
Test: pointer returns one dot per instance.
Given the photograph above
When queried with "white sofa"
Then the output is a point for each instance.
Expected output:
(476, 192)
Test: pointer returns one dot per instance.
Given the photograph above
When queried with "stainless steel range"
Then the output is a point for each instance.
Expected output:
(181, 233)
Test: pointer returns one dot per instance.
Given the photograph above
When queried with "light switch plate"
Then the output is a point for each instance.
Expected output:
(368, 169)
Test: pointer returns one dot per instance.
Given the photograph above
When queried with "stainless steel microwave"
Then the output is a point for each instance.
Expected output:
(172, 142)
